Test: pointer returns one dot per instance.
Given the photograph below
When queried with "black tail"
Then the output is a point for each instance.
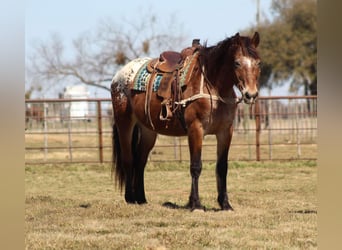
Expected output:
(118, 169)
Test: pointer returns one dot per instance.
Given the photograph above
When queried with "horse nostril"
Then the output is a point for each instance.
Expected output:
(249, 96)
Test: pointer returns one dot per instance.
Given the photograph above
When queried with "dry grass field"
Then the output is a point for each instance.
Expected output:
(77, 207)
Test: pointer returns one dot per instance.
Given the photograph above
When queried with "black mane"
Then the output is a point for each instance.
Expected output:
(233, 43)
(215, 57)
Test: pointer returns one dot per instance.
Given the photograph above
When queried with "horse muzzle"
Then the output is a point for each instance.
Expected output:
(249, 98)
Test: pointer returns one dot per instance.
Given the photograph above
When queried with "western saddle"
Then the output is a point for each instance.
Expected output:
(168, 66)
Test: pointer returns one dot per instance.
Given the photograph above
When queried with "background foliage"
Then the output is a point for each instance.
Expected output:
(289, 46)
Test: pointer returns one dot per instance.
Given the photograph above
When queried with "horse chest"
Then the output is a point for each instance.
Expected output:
(220, 117)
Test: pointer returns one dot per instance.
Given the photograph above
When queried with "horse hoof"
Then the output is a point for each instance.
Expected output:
(198, 208)
(142, 202)
(227, 207)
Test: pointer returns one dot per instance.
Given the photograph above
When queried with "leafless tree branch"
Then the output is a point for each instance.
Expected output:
(97, 55)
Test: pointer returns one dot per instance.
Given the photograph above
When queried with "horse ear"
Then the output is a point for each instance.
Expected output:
(237, 38)
(256, 39)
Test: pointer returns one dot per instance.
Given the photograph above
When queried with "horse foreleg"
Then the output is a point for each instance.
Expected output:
(147, 139)
(195, 137)
(223, 144)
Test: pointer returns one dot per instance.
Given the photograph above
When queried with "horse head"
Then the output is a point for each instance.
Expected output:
(246, 66)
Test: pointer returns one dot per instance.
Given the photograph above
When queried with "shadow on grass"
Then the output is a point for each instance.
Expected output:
(304, 211)
(172, 205)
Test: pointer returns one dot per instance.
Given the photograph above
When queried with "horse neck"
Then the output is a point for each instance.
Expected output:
(221, 78)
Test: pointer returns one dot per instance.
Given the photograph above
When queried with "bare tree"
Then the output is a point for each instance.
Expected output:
(97, 55)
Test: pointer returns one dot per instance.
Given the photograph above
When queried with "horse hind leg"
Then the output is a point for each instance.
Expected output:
(123, 158)
(132, 145)
(144, 141)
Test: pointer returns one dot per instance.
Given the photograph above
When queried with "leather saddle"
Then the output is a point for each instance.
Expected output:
(168, 62)
(168, 66)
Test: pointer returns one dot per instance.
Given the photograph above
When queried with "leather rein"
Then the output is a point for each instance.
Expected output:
(201, 94)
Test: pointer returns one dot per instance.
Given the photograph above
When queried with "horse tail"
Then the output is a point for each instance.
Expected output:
(118, 169)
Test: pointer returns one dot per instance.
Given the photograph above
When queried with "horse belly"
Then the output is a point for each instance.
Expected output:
(172, 127)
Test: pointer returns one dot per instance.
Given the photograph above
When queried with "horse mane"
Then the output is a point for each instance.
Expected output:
(221, 48)
(222, 53)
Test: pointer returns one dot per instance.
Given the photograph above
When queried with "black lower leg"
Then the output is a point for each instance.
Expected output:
(194, 200)
(129, 191)
(221, 176)
(139, 186)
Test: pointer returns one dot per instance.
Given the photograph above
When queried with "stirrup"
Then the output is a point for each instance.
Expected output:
(165, 112)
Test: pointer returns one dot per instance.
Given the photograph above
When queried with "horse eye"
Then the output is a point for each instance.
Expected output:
(258, 64)
(237, 64)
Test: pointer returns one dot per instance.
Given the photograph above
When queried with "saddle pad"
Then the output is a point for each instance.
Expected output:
(143, 77)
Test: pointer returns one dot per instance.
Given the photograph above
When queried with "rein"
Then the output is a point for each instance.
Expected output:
(201, 94)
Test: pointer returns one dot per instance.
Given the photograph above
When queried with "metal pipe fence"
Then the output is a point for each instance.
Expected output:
(79, 131)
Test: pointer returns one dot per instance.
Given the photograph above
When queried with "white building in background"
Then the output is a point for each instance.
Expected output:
(77, 109)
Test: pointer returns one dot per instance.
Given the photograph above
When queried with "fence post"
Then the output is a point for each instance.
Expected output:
(268, 116)
(246, 127)
(297, 113)
(257, 129)
(45, 110)
(99, 126)
(69, 132)
(180, 149)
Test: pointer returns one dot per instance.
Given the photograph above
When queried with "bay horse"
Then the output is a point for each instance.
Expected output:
(206, 105)
(34, 113)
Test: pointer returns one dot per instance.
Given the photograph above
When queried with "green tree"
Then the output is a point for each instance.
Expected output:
(289, 46)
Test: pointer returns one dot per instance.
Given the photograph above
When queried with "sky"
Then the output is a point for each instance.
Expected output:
(211, 21)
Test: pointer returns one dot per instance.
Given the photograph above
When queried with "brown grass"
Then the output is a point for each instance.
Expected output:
(77, 207)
